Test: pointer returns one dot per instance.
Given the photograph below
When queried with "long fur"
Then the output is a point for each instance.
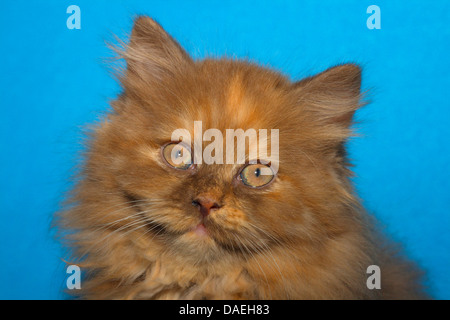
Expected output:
(305, 236)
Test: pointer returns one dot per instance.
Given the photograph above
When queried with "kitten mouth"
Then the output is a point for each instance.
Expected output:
(203, 232)
(210, 232)
(200, 230)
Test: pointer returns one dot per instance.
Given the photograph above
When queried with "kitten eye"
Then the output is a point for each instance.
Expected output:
(177, 156)
(256, 175)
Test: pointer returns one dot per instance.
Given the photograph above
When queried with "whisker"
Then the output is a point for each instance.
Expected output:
(144, 220)
(256, 260)
(268, 250)
(122, 209)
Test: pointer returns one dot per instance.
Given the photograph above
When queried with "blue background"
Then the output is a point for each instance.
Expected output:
(54, 80)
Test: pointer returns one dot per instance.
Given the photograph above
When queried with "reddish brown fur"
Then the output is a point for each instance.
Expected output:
(310, 237)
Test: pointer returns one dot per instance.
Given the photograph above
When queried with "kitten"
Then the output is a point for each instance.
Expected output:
(143, 227)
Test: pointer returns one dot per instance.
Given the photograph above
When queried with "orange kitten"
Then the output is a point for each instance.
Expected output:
(144, 227)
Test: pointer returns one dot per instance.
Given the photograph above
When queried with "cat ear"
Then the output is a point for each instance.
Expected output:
(333, 96)
(152, 53)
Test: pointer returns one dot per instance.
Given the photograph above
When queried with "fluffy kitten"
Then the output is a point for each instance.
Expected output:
(142, 229)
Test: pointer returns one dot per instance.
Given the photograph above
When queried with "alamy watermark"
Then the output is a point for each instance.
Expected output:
(74, 20)
(374, 20)
(73, 282)
(235, 153)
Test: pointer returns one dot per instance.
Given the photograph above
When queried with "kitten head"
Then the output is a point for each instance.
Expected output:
(133, 190)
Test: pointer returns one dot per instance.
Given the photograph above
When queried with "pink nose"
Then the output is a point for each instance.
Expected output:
(206, 203)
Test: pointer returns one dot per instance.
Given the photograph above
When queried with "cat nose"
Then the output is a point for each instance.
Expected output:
(206, 203)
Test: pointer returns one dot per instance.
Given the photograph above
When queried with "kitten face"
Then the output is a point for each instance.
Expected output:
(206, 211)
(145, 226)
(241, 216)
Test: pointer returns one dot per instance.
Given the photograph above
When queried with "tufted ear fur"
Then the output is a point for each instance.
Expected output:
(152, 54)
(333, 96)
